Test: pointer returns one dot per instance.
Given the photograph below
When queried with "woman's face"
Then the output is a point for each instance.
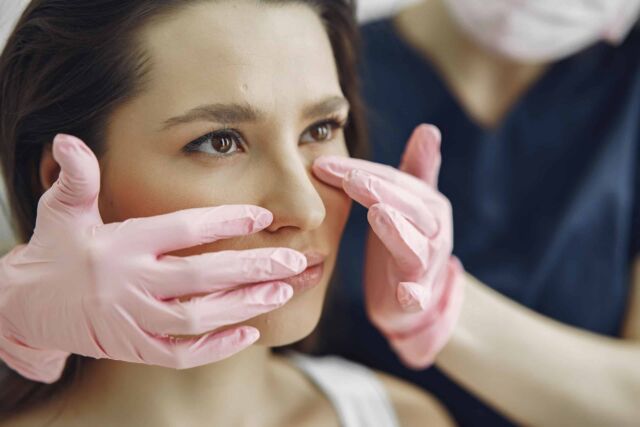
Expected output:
(263, 77)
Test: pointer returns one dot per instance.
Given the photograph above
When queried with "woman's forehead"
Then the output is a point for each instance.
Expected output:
(239, 50)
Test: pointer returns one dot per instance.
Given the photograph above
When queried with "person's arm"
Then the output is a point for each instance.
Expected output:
(533, 369)
(540, 372)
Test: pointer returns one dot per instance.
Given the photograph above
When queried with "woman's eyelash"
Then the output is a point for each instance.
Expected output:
(336, 122)
(193, 146)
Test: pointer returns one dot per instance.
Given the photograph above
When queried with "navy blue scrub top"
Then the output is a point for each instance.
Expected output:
(545, 205)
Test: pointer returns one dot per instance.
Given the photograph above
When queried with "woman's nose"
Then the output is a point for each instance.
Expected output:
(292, 198)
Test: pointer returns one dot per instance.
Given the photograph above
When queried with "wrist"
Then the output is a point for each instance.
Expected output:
(32, 363)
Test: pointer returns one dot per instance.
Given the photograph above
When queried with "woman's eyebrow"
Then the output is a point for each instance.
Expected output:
(220, 113)
(238, 113)
(326, 107)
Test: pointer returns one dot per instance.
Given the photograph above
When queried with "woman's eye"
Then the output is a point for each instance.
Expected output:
(217, 144)
(321, 132)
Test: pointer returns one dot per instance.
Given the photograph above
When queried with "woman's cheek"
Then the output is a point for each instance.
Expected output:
(157, 186)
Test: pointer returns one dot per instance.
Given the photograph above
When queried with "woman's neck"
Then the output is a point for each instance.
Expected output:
(486, 84)
(234, 391)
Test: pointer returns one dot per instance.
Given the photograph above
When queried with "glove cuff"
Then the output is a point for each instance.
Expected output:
(35, 364)
(419, 346)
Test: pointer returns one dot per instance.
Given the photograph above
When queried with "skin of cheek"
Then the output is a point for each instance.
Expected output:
(203, 54)
(133, 189)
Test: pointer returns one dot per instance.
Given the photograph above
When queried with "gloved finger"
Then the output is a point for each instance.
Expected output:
(407, 245)
(213, 271)
(78, 184)
(202, 314)
(72, 201)
(332, 170)
(413, 297)
(368, 189)
(192, 352)
(189, 227)
(421, 157)
(419, 350)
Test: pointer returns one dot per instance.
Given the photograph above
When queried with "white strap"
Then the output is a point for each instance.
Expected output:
(356, 393)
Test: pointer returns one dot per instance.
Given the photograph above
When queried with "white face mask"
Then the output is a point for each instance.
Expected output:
(544, 30)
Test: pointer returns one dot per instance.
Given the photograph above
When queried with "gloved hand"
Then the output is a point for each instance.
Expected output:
(106, 291)
(413, 293)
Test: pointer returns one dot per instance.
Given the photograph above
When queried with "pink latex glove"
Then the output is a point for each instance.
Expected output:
(412, 292)
(106, 291)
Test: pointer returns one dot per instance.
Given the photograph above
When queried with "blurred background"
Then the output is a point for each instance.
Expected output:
(10, 11)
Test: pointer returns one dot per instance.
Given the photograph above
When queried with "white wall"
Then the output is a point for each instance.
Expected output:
(9, 12)
(372, 9)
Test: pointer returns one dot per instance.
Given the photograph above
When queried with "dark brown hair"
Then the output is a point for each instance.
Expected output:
(65, 68)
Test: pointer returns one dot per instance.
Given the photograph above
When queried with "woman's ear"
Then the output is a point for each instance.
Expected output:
(49, 169)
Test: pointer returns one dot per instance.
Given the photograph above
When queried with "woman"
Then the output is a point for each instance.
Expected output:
(195, 103)
(541, 163)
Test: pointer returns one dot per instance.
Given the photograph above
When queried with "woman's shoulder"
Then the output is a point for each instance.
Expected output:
(354, 389)
(414, 406)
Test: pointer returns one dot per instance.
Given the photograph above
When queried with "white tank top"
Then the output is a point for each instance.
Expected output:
(355, 392)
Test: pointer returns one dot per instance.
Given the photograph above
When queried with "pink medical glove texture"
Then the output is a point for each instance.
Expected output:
(106, 291)
(413, 291)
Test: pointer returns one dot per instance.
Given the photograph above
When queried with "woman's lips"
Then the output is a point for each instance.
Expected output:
(310, 277)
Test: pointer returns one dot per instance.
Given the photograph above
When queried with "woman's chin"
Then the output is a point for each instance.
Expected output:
(292, 322)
